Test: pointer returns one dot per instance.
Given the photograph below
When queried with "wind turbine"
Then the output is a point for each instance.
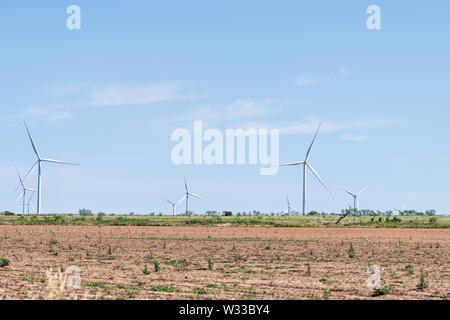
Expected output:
(190, 194)
(305, 165)
(39, 165)
(355, 198)
(23, 194)
(175, 204)
(402, 209)
(289, 206)
(28, 204)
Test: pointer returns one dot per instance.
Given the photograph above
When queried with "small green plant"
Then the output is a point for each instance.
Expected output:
(210, 263)
(4, 262)
(423, 283)
(326, 294)
(200, 291)
(70, 247)
(381, 291)
(308, 270)
(53, 241)
(146, 271)
(110, 250)
(409, 270)
(157, 266)
(351, 251)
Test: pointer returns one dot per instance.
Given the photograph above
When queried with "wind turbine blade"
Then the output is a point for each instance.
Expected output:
(292, 164)
(32, 207)
(20, 196)
(31, 198)
(60, 162)
(181, 200)
(353, 195)
(32, 190)
(197, 196)
(357, 204)
(32, 142)
(318, 178)
(170, 202)
(310, 147)
(362, 190)
(29, 173)
(185, 185)
(20, 179)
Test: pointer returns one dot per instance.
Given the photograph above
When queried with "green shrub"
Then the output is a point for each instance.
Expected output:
(4, 262)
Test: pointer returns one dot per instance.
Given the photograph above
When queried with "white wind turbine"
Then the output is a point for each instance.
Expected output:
(402, 209)
(39, 165)
(23, 194)
(175, 204)
(187, 194)
(290, 208)
(305, 165)
(355, 198)
(28, 204)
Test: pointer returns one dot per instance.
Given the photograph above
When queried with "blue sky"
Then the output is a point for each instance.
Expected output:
(109, 95)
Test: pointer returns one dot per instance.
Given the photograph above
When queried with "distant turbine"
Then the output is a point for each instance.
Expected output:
(23, 194)
(190, 194)
(355, 198)
(289, 207)
(305, 165)
(402, 209)
(39, 165)
(175, 204)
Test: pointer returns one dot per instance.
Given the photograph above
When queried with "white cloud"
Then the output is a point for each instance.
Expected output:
(119, 95)
(241, 108)
(46, 113)
(353, 137)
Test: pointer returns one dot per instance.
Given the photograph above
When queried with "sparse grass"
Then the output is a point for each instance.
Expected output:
(157, 266)
(423, 283)
(210, 263)
(163, 288)
(384, 290)
(409, 270)
(212, 285)
(351, 251)
(308, 270)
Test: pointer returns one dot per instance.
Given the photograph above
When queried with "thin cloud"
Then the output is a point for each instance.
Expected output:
(306, 80)
(45, 113)
(119, 95)
(310, 126)
(241, 108)
(353, 137)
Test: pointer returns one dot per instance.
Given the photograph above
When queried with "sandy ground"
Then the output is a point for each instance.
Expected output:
(221, 262)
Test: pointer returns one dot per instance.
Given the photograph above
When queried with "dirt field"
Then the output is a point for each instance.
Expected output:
(222, 262)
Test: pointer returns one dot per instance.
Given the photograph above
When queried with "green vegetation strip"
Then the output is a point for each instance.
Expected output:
(379, 221)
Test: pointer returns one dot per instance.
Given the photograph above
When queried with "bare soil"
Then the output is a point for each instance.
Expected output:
(222, 262)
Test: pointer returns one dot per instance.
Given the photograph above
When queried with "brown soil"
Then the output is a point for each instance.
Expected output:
(244, 262)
